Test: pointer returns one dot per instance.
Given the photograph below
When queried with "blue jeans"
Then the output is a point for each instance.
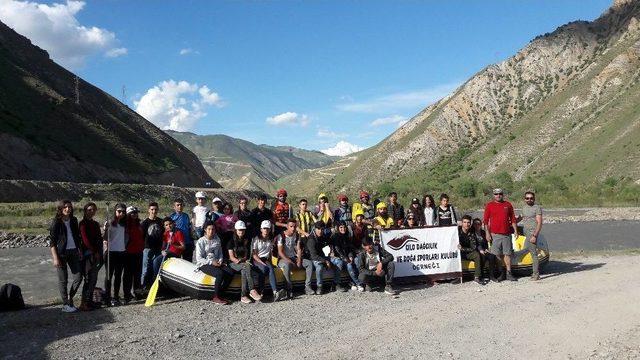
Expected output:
(353, 273)
(199, 232)
(337, 270)
(147, 266)
(267, 270)
(319, 267)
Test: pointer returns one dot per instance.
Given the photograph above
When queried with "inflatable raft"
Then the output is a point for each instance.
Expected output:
(521, 261)
(183, 277)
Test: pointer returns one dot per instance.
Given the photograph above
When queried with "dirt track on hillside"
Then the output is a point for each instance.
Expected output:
(583, 308)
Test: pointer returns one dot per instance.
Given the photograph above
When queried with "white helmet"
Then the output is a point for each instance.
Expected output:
(201, 194)
(266, 224)
(240, 225)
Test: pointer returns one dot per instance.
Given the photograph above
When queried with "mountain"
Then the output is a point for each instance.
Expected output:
(240, 164)
(55, 126)
(564, 109)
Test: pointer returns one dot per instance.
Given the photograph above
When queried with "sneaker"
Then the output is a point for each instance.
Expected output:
(319, 290)
(389, 290)
(308, 290)
(245, 300)
(479, 281)
(255, 295)
(494, 279)
(220, 301)
(115, 302)
(69, 308)
(354, 288)
(332, 288)
(510, 276)
(535, 277)
(360, 288)
(344, 288)
(280, 295)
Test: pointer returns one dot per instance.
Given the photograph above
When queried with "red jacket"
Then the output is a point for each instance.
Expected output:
(500, 217)
(136, 238)
(176, 238)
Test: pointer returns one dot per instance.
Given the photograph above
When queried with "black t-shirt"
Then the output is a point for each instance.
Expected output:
(153, 231)
(257, 217)
(244, 215)
(445, 216)
(241, 247)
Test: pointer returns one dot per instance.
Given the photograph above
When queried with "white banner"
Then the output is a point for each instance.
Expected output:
(423, 251)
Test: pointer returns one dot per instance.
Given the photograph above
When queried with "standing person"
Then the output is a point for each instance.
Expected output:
(260, 213)
(418, 212)
(262, 249)
(183, 223)
(471, 249)
(342, 249)
(396, 210)
(531, 219)
(199, 213)
(225, 227)
(172, 244)
(133, 261)
(153, 232)
(323, 211)
(216, 209)
(360, 232)
(239, 262)
(382, 221)
(290, 254)
(376, 265)
(364, 207)
(115, 238)
(281, 211)
(244, 214)
(429, 210)
(314, 250)
(499, 220)
(91, 247)
(445, 212)
(210, 260)
(343, 212)
(305, 219)
(64, 242)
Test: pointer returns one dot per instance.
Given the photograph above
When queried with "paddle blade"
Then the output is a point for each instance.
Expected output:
(151, 298)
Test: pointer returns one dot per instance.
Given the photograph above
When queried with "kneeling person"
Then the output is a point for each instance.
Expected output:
(376, 264)
(210, 260)
(472, 249)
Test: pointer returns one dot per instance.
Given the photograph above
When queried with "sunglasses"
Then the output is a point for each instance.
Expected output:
(529, 198)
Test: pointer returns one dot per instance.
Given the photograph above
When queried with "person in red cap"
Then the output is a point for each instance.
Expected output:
(281, 212)
(364, 207)
(343, 212)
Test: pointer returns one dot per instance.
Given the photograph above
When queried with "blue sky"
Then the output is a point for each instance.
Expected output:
(301, 73)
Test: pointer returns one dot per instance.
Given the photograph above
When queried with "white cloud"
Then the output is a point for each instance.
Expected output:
(56, 29)
(393, 119)
(401, 100)
(187, 51)
(115, 52)
(288, 118)
(326, 133)
(342, 148)
(178, 106)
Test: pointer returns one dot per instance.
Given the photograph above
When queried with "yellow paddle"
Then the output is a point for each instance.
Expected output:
(151, 297)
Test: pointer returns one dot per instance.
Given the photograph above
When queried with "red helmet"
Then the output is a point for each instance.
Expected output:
(342, 197)
(282, 192)
(363, 194)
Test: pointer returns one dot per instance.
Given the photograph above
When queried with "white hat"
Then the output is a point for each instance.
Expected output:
(216, 199)
(240, 225)
(201, 194)
(266, 224)
(132, 209)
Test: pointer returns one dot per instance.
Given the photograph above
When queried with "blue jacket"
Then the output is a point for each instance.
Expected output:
(183, 223)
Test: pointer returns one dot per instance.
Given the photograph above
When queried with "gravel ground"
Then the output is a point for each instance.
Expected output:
(583, 308)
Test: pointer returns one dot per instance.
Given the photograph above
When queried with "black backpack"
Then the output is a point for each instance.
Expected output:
(11, 298)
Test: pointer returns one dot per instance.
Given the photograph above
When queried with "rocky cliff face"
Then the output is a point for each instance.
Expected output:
(541, 111)
(49, 131)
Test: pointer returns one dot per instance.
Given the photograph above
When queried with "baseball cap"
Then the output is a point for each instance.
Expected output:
(415, 201)
(497, 191)
(216, 199)
(201, 195)
(240, 225)
(266, 224)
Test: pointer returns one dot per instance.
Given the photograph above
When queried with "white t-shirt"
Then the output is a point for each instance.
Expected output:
(289, 243)
(373, 260)
(428, 216)
(264, 247)
(116, 238)
(200, 213)
(70, 243)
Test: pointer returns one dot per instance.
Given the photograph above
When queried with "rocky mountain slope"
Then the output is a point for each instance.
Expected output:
(57, 127)
(240, 164)
(564, 106)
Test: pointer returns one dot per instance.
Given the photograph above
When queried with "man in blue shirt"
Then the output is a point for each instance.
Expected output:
(183, 223)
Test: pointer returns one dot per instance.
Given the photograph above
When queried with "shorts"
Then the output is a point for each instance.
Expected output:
(501, 245)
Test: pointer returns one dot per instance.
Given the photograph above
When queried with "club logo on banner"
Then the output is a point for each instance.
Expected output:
(423, 251)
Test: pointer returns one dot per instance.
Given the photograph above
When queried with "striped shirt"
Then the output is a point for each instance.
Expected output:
(305, 221)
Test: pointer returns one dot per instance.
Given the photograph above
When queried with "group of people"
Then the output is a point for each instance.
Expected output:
(314, 238)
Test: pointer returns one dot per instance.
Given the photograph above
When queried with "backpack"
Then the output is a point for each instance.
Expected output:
(11, 298)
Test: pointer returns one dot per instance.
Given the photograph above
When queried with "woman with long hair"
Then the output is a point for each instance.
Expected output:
(64, 241)
(262, 250)
(225, 227)
(240, 262)
(429, 206)
(115, 238)
(91, 255)
(133, 261)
